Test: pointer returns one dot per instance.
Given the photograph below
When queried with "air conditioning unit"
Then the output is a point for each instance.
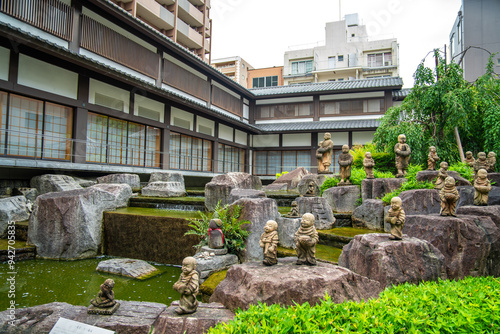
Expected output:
(388, 63)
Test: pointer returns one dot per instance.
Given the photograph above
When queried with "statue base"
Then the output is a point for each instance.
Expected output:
(345, 183)
(103, 310)
(216, 251)
(325, 172)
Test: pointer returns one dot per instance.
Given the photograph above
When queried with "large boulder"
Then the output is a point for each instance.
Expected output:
(377, 188)
(13, 209)
(467, 196)
(494, 177)
(207, 265)
(257, 211)
(164, 189)
(219, 188)
(431, 175)
(293, 178)
(68, 224)
(319, 207)
(465, 241)
(342, 199)
(127, 267)
(131, 179)
(369, 215)
(237, 194)
(287, 227)
(393, 262)
(166, 177)
(421, 201)
(48, 183)
(287, 283)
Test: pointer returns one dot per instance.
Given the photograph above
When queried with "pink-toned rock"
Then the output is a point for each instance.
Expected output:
(421, 201)
(430, 176)
(377, 188)
(293, 178)
(220, 187)
(393, 262)
(287, 283)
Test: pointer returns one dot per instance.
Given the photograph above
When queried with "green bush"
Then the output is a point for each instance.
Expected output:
(330, 182)
(281, 174)
(471, 305)
(464, 170)
(410, 183)
(384, 162)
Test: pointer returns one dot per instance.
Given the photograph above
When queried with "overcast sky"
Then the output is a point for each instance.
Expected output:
(260, 31)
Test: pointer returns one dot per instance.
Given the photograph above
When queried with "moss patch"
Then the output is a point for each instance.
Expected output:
(211, 283)
(4, 244)
(323, 252)
(157, 212)
(284, 210)
(347, 231)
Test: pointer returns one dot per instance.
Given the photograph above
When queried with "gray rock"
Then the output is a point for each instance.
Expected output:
(276, 187)
(257, 211)
(421, 201)
(219, 189)
(131, 179)
(342, 199)
(85, 182)
(465, 241)
(29, 193)
(166, 177)
(68, 224)
(293, 178)
(131, 318)
(393, 262)
(286, 231)
(430, 176)
(303, 186)
(287, 283)
(127, 267)
(164, 189)
(53, 183)
(12, 209)
(467, 196)
(207, 267)
(369, 215)
(205, 317)
(377, 188)
(237, 194)
(494, 178)
(321, 210)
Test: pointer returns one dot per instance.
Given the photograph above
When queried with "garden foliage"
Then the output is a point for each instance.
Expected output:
(384, 162)
(410, 184)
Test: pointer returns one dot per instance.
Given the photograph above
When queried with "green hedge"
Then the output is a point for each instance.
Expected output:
(471, 305)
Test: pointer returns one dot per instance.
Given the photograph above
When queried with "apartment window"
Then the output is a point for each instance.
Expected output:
(269, 81)
(380, 59)
(341, 79)
(231, 159)
(341, 58)
(273, 162)
(352, 107)
(498, 61)
(288, 110)
(34, 128)
(302, 67)
(332, 61)
(190, 153)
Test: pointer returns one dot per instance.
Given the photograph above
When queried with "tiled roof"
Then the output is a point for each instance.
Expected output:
(389, 82)
(400, 94)
(321, 125)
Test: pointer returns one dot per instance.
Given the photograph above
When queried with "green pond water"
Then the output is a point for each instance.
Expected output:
(77, 282)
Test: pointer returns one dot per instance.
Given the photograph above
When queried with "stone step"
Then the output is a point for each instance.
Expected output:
(341, 236)
(324, 253)
(20, 251)
(169, 203)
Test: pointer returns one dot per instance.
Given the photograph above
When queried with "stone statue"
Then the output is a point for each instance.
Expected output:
(104, 302)
(442, 175)
(215, 235)
(187, 286)
(269, 243)
(481, 163)
(345, 162)
(294, 210)
(369, 163)
(492, 160)
(311, 190)
(432, 158)
(403, 153)
(306, 239)
(469, 159)
(324, 154)
(482, 186)
(449, 197)
(396, 217)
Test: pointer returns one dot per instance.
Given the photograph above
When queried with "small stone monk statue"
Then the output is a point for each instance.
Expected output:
(442, 175)
(104, 302)
(469, 159)
(215, 235)
(481, 163)
(482, 186)
(188, 286)
(403, 153)
(369, 163)
(324, 154)
(345, 162)
(432, 158)
(294, 210)
(492, 160)
(269, 243)
(306, 239)
(449, 197)
(396, 217)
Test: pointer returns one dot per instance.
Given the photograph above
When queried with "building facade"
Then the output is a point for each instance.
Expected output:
(265, 77)
(236, 68)
(474, 37)
(87, 87)
(348, 54)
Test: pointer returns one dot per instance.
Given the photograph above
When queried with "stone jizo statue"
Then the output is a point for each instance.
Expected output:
(345, 162)
(324, 154)
(396, 217)
(482, 186)
(403, 153)
(294, 210)
(442, 175)
(311, 190)
(369, 163)
(215, 235)
(306, 239)
(481, 163)
(492, 160)
(432, 158)
(188, 286)
(104, 302)
(269, 243)
(449, 197)
(469, 159)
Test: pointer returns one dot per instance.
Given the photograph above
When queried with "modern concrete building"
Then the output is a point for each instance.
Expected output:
(348, 54)
(265, 77)
(85, 87)
(234, 67)
(186, 22)
(475, 36)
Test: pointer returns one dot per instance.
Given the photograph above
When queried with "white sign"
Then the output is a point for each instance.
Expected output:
(66, 326)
